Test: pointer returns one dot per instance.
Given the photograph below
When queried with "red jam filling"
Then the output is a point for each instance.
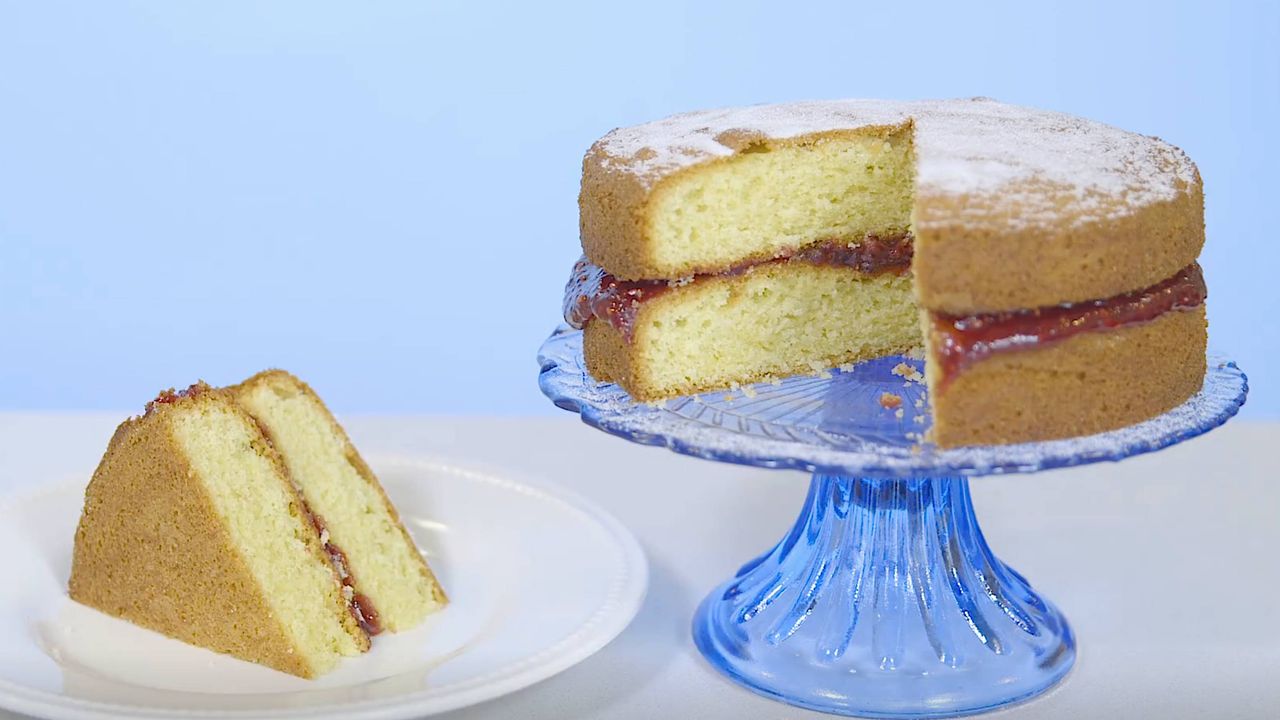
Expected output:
(365, 614)
(594, 293)
(358, 604)
(960, 341)
(170, 396)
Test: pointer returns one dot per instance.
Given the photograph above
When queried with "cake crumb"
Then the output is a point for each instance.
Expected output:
(907, 372)
(898, 413)
(846, 367)
(889, 401)
(820, 370)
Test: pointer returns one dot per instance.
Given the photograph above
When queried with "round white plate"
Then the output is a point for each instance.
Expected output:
(538, 580)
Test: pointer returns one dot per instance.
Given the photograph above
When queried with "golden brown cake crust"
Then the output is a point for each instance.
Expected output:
(268, 377)
(1015, 207)
(967, 267)
(609, 359)
(1090, 383)
(151, 549)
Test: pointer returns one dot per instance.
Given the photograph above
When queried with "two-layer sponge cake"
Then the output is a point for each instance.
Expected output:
(1046, 264)
(360, 526)
(199, 524)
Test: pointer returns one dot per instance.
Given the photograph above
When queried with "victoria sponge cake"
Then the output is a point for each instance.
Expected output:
(224, 518)
(1045, 264)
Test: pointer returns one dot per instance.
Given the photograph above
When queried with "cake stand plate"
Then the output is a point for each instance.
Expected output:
(884, 599)
(538, 579)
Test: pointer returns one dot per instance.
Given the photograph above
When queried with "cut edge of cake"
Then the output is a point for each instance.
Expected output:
(858, 182)
(388, 576)
(718, 333)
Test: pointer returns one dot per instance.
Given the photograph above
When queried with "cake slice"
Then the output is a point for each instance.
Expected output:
(390, 584)
(192, 528)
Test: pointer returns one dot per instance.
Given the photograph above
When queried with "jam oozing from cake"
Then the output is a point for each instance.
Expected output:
(594, 293)
(961, 341)
(359, 605)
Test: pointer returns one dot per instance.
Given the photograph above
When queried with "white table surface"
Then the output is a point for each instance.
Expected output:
(1166, 565)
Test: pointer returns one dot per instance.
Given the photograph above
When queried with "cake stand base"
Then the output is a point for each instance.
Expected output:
(885, 601)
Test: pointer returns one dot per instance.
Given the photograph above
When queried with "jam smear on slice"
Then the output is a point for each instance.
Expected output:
(364, 613)
(960, 341)
(170, 396)
(358, 604)
(594, 293)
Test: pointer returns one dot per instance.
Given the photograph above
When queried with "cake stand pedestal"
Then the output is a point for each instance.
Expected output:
(884, 599)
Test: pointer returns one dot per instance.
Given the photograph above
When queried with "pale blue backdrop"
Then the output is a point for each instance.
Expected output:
(381, 197)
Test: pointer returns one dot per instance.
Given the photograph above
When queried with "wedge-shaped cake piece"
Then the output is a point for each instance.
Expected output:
(192, 528)
(390, 582)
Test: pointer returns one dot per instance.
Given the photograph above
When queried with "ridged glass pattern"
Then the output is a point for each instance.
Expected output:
(834, 422)
(884, 600)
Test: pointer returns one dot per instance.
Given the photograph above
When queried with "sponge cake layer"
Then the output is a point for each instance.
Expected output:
(387, 573)
(775, 320)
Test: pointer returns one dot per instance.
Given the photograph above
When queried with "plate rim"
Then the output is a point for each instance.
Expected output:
(625, 597)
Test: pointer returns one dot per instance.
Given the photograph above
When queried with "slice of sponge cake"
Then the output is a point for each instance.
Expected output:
(391, 585)
(192, 528)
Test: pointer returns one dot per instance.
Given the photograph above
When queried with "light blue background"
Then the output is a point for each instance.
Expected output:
(381, 197)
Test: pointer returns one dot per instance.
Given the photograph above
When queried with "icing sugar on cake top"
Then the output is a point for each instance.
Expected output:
(1045, 166)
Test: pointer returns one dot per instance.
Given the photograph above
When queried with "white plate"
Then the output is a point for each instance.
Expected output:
(538, 579)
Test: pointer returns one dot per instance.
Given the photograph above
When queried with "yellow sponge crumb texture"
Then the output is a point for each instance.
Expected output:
(769, 199)
(340, 489)
(267, 527)
(778, 319)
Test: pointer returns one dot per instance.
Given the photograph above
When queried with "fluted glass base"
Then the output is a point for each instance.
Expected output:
(885, 601)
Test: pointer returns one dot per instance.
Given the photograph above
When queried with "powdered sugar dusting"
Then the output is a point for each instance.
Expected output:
(661, 146)
(1046, 167)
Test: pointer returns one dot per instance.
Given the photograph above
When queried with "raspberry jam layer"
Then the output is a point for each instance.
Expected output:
(961, 341)
(170, 396)
(359, 605)
(594, 293)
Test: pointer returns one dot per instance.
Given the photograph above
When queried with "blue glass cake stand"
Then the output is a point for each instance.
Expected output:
(883, 600)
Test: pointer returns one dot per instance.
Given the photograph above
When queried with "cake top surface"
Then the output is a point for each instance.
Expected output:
(172, 397)
(1043, 164)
